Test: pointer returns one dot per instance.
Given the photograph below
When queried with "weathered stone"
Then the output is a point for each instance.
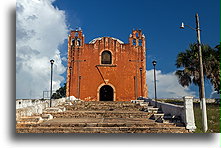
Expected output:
(101, 121)
(30, 120)
(46, 117)
(53, 110)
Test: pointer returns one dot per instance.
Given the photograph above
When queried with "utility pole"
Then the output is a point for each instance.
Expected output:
(202, 88)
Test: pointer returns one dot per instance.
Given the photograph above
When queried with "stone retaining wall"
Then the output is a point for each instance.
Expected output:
(29, 107)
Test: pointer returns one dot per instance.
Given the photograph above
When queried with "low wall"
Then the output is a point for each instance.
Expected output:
(195, 100)
(167, 108)
(29, 107)
(23, 103)
(185, 112)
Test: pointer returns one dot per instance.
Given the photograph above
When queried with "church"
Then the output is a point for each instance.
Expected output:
(106, 69)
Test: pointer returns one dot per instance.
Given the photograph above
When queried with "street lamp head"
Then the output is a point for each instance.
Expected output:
(182, 26)
(70, 68)
(141, 69)
(52, 61)
(154, 62)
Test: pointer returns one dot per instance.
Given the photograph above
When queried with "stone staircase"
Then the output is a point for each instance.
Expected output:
(159, 116)
(101, 117)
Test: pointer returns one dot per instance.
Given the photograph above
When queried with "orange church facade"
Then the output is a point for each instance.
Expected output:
(106, 69)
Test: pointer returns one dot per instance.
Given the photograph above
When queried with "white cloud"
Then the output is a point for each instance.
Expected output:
(40, 29)
(214, 94)
(167, 85)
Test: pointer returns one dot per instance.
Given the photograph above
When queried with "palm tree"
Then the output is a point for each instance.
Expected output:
(189, 62)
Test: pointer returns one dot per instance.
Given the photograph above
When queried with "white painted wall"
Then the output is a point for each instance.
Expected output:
(29, 107)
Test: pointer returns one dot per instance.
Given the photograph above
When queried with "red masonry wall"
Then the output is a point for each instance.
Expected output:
(86, 75)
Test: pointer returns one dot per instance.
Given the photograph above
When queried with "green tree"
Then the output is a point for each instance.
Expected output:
(189, 70)
(61, 92)
(219, 57)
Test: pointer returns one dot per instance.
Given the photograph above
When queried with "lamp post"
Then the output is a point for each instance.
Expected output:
(202, 89)
(155, 86)
(52, 62)
(141, 87)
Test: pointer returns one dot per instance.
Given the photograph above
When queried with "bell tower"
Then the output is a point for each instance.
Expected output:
(75, 47)
(137, 38)
(76, 38)
(138, 45)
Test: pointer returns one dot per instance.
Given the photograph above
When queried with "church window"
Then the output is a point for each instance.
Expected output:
(72, 42)
(134, 41)
(140, 42)
(106, 57)
(78, 42)
(76, 34)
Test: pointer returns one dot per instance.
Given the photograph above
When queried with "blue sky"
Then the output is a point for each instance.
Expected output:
(159, 20)
(38, 20)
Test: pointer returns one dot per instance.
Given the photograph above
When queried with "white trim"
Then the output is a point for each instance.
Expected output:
(99, 38)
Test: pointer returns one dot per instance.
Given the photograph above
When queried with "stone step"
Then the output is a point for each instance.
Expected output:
(173, 119)
(102, 117)
(30, 120)
(116, 124)
(103, 102)
(144, 104)
(54, 109)
(68, 103)
(101, 122)
(101, 114)
(152, 110)
(109, 106)
(105, 105)
(102, 108)
(46, 117)
(101, 130)
(34, 119)
(157, 116)
(137, 101)
(167, 119)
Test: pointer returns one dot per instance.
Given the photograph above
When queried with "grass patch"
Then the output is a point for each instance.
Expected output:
(213, 118)
(213, 115)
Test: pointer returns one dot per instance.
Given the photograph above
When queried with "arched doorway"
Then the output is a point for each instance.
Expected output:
(106, 93)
